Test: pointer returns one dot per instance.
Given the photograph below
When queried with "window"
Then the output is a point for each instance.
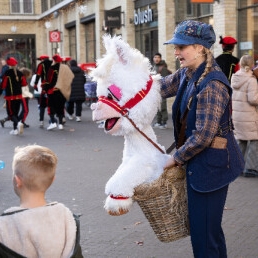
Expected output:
(22, 6)
(90, 42)
(44, 6)
(206, 9)
(54, 2)
(72, 42)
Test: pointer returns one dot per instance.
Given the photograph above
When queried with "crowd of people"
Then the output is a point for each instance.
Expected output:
(58, 86)
(215, 117)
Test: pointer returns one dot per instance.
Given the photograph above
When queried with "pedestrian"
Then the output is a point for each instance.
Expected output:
(37, 228)
(77, 96)
(13, 81)
(26, 96)
(5, 67)
(245, 114)
(228, 63)
(58, 88)
(40, 80)
(160, 67)
(203, 131)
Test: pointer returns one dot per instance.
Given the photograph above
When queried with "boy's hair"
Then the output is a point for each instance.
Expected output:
(36, 166)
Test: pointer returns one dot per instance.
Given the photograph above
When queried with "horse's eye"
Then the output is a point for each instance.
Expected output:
(110, 96)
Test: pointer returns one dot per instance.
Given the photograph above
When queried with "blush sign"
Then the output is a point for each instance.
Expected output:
(54, 36)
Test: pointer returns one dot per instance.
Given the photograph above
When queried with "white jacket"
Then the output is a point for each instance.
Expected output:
(43, 232)
(245, 105)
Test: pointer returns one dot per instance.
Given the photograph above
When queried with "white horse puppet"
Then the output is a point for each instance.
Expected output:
(128, 100)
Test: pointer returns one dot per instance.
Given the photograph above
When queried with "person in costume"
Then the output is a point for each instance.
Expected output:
(228, 63)
(13, 81)
(36, 228)
(56, 100)
(40, 80)
(203, 132)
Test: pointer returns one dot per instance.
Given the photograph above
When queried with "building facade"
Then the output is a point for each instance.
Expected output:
(75, 27)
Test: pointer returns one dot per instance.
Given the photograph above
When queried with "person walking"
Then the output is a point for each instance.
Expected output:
(77, 96)
(228, 63)
(245, 114)
(160, 67)
(13, 81)
(40, 81)
(58, 88)
(203, 132)
(26, 96)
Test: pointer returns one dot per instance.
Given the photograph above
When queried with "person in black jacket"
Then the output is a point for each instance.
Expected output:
(228, 63)
(77, 96)
(41, 76)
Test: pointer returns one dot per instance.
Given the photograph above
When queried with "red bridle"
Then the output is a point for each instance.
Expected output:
(123, 110)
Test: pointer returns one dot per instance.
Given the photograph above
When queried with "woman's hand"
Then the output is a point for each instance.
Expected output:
(170, 162)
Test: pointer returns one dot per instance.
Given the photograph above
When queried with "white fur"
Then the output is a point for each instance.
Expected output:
(142, 162)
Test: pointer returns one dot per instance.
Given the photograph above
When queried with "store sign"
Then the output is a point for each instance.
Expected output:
(113, 19)
(202, 1)
(144, 16)
(247, 45)
(55, 36)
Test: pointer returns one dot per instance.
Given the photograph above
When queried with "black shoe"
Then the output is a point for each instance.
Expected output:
(25, 125)
(250, 173)
(2, 121)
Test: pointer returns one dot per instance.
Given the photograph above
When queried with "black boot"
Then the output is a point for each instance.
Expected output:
(2, 121)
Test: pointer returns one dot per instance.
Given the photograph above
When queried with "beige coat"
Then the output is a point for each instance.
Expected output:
(245, 105)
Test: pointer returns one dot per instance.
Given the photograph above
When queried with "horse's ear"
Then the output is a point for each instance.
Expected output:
(121, 55)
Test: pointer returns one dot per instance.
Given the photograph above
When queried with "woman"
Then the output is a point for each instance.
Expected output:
(245, 114)
(205, 142)
(13, 81)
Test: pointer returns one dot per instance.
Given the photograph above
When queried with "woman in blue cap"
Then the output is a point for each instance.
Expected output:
(203, 131)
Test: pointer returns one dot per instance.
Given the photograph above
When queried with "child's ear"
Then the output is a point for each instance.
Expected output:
(17, 181)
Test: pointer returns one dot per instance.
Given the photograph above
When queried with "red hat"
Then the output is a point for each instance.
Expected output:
(57, 58)
(227, 41)
(42, 57)
(11, 61)
(66, 58)
(87, 66)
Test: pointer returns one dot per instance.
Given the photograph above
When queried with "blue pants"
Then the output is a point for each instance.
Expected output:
(205, 217)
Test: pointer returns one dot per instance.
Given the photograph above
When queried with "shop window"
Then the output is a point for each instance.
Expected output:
(22, 6)
(21, 47)
(90, 42)
(72, 42)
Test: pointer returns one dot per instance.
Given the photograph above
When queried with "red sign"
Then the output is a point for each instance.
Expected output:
(54, 36)
(202, 1)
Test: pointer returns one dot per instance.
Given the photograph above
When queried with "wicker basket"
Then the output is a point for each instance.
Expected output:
(164, 203)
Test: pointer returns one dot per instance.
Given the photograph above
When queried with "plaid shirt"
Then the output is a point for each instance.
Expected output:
(211, 104)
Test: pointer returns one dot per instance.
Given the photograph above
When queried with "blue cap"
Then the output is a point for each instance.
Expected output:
(191, 32)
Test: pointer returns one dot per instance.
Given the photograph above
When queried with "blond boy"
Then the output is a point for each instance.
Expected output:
(37, 228)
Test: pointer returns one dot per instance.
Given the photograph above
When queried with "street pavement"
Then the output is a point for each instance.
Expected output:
(87, 159)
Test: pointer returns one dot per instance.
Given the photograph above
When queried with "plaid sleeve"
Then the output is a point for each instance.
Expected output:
(211, 104)
(170, 84)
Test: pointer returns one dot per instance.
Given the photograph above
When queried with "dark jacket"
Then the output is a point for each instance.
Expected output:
(228, 64)
(12, 84)
(77, 86)
(162, 68)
